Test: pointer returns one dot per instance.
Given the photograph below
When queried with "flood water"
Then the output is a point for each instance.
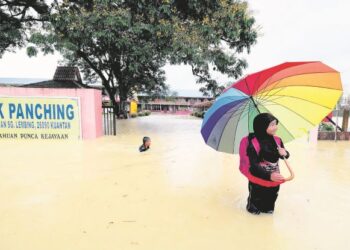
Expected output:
(181, 194)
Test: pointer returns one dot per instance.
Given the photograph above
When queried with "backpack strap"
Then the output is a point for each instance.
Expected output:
(244, 164)
(256, 144)
(277, 140)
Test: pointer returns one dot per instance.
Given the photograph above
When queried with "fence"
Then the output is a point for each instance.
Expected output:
(109, 120)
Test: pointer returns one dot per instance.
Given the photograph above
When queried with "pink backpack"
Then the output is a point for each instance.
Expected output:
(244, 164)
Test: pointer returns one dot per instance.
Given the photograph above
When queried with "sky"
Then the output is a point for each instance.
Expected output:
(289, 30)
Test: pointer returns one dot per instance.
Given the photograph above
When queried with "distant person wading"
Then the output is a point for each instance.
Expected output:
(146, 143)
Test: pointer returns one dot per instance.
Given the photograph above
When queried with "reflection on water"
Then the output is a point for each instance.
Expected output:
(181, 194)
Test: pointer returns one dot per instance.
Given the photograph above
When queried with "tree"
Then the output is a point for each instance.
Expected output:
(109, 41)
(211, 37)
(213, 90)
(126, 43)
(16, 17)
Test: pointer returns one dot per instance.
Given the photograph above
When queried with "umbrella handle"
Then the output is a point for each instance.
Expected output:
(291, 177)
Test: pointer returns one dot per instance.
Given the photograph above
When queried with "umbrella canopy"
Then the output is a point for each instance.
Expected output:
(299, 94)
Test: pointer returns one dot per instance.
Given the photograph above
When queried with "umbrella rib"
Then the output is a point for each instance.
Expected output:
(232, 97)
(309, 73)
(257, 79)
(247, 113)
(228, 98)
(234, 115)
(255, 104)
(245, 80)
(240, 116)
(291, 111)
(231, 112)
(264, 94)
(281, 124)
(234, 111)
(282, 88)
(269, 79)
(277, 82)
(266, 98)
(267, 84)
(294, 97)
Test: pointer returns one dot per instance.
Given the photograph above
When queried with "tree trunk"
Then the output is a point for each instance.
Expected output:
(111, 93)
(116, 108)
(123, 98)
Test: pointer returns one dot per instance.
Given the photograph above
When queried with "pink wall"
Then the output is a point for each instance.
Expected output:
(90, 105)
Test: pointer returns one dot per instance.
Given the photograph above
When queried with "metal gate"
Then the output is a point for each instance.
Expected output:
(109, 120)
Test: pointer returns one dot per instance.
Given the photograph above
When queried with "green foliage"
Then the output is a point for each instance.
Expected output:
(133, 115)
(16, 18)
(326, 127)
(217, 31)
(199, 114)
(127, 43)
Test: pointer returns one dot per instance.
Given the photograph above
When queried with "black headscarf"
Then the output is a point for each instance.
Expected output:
(268, 147)
(261, 123)
(146, 138)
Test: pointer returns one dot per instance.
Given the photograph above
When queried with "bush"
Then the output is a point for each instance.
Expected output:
(133, 115)
(326, 127)
(147, 112)
(199, 114)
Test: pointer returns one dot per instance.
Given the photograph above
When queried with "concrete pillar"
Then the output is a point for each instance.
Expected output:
(345, 124)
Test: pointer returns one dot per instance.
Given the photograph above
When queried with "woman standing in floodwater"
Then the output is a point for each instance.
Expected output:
(265, 163)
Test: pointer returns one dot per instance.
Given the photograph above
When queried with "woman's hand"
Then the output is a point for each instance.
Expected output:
(277, 177)
(282, 151)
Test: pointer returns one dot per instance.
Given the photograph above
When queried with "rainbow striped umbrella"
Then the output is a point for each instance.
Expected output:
(299, 94)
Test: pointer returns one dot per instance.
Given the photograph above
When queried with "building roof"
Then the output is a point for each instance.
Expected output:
(19, 81)
(58, 84)
(64, 73)
(64, 77)
(185, 93)
(206, 104)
